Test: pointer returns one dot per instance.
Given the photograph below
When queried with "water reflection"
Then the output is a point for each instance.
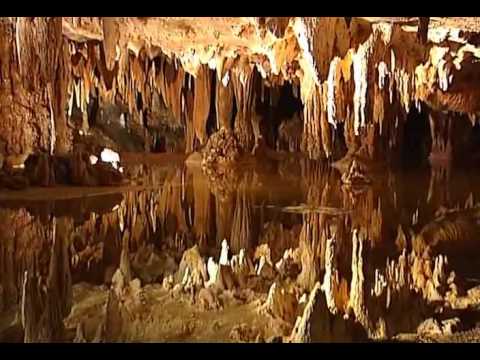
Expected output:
(386, 254)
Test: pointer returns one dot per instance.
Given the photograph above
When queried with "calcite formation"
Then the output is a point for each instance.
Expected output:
(247, 99)
(357, 77)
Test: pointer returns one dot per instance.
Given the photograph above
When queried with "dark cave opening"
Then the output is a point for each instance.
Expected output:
(281, 108)
(416, 139)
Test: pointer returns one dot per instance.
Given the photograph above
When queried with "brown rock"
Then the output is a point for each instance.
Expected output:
(281, 303)
(225, 278)
(192, 270)
(207, 300)
(430, 327)
(243, 333)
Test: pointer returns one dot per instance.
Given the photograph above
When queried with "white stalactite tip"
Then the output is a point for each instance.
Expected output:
(93, 159)
(226, 79)
(382, 74)
(109, 156)
(331, 107)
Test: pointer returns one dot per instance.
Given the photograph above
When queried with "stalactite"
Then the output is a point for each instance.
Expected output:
(174, 78)
(201, 105)
(59, 91)
(111, 36)
(332, 74)
(360, 74)
(189, 126)
(325, 127)
(243, 77)
(224, 104)
(312, 133)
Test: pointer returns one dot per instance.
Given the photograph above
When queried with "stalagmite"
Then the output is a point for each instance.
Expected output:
(224, 253)
(192, 271)
(213, 270)
(281, 303)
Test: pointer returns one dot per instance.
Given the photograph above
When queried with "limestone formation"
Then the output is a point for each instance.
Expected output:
(204, 150)
(192, 271)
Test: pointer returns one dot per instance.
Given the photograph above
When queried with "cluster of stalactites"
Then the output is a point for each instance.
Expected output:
(185, 89)
(371, 85)
(149, 76)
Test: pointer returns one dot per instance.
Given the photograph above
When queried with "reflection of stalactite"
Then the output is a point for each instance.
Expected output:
(224, 217)
(46, 302)
(358, 295)
(368, 214)
(113, 321)
(357, 299)
(7, 260)
(242, 235)
(441, 135)
(438, 190)
(316, 226)
(330, 279)
(310, 248)
(171, 214)
(202, 208)
(138, 214)
(279, 237)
